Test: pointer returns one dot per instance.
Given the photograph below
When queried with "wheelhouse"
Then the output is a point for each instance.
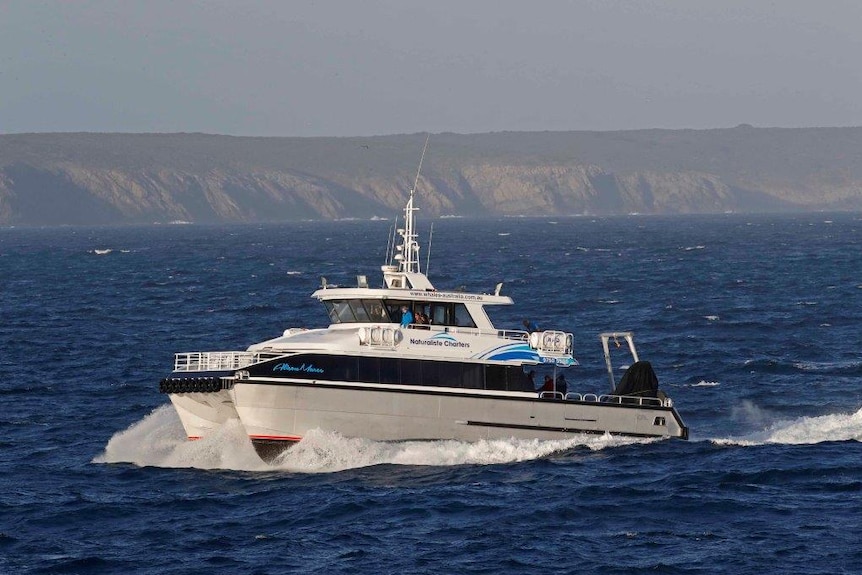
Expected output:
(366, 310)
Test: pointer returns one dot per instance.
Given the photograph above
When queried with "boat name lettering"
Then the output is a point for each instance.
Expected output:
(305, 367)
(446, 295)
(439, 342)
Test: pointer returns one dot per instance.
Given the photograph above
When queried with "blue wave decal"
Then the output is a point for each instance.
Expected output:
(444, 336)
(506, 355)
(511, 351)
(506, 347)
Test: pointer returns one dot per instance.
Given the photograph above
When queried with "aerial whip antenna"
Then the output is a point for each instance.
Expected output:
(428, 253)
(390, 243)
(416, 181)
(409, 259)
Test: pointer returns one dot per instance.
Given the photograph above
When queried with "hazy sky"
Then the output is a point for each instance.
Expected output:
(365, 67)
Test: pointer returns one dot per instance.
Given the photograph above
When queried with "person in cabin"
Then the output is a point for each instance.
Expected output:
(406, 316)
(376, 312)
(531, 380)
(420, 316)
(548, 384)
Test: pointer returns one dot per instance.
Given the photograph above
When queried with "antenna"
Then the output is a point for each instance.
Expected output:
(390, 242)
(409, 257)
(419, 169)
(428, 253)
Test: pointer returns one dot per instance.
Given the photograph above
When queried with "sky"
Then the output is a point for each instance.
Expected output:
(378, 67)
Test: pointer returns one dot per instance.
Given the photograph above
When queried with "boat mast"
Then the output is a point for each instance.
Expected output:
(407, 272)
(409, 258)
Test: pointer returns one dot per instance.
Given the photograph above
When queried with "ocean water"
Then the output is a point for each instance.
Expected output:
(752, 323)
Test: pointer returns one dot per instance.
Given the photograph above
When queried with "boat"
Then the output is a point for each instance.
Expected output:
(406, 361)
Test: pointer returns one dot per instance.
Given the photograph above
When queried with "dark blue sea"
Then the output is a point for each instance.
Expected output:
(752, 323)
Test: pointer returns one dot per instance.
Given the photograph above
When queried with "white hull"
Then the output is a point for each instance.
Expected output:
(203, 413)
(283, 413)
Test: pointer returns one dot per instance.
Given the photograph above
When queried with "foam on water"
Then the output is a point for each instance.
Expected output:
(323, 451)
(803, 430)
(829, 366)
(704, 383)
(158, 440)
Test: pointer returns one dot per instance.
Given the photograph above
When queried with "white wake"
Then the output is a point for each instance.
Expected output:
(800, 431)
(158, 440)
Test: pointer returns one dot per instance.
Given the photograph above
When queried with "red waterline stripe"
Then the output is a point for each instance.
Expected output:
(277, 437)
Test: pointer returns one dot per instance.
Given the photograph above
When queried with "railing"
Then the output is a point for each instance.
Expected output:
(513, 334)
(620, 399)
(631, 400)
(216, 360)
(503, 333)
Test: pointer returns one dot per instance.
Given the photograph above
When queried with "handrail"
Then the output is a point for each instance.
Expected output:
(619, 399)
(630, 400)
(217, 360)
(514, 334)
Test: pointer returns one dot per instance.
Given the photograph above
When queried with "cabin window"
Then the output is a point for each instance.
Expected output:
(359, 310)
(394, 308)
(342, 310)
(411, 372)
(507, 377)
(451, 374)
(376, 311)
(462, 316)
(440, 314)
(369, 369)
(472, 375)
(389, 372)
(330, 309)
(430, 373)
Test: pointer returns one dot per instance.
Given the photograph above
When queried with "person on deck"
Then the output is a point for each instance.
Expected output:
(406, 316)
(531, 326)
(562, 386)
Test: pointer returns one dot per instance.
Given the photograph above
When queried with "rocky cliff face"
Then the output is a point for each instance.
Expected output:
(91, 179)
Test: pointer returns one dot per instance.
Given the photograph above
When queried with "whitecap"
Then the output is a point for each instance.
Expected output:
(704, 383)
(826, 366)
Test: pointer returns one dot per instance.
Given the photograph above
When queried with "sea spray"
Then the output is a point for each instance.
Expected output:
(804, 431)
(158, 440)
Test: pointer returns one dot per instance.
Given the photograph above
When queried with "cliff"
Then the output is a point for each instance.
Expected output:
(53, 179)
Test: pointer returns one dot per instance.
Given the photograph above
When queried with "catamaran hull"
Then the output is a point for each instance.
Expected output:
(202, 413)
(279, 414)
